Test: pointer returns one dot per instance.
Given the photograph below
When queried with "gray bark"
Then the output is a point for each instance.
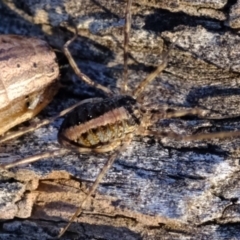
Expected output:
(157, 188)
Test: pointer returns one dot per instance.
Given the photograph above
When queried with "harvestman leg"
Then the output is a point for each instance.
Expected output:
(127, 28)
(99, 178)
(181, 113)
(201, 113)
(58, 152)
(156, 72)
(112, 158)
(195, 137)
(48, 153)
(152, 75)
(77, 71)
(124, 89)
(46, 121)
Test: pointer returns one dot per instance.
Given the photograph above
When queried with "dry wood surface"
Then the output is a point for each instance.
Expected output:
(157, 188)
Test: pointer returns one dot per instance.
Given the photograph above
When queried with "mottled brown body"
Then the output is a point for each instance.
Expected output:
(27, 78)
(97, 124)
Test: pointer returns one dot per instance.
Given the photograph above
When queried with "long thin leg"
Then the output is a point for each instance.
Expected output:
(159, 69)
(127, 28)
(99, 178)
(202, 113)
(205, 136)
(200, 136)
(165, 113)
(77, 71)
(181, 113)
(46, 121)
(35, 158)
(59, 152)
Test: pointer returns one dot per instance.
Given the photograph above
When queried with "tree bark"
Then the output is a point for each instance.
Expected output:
(157, 188)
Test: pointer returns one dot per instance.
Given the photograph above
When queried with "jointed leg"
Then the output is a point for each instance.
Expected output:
(201, 113)
(156, 72)
(77, 71)
(35, 158)
(127, 28)
(59, 152)
(99, 178)
(46, 121)
(181, 113)
(200, 136)
(164, 112)
(205, 136)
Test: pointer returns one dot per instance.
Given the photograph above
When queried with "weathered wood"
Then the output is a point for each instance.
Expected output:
(158, 188)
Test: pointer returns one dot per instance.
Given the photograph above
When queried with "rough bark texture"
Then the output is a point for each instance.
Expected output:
(157, 189)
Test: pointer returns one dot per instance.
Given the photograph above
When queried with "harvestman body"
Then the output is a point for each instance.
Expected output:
(104, 125)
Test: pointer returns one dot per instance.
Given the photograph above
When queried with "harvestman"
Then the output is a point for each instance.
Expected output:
(103, 125)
